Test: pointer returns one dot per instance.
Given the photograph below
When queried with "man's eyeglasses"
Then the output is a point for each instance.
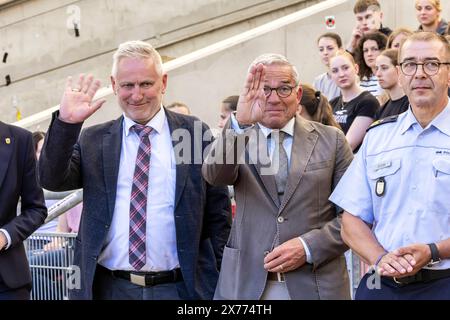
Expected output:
(430, 68)
(282, 92)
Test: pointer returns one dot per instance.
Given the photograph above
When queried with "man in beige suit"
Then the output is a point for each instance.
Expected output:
(285, 241)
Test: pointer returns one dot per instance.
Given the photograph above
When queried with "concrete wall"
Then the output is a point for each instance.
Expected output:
(43, 49)
(203, 84)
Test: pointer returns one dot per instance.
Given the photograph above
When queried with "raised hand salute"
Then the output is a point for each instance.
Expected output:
(252, 101)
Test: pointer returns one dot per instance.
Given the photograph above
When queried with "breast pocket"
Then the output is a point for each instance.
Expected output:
(383, 170)
(440, 188)
(318, 165)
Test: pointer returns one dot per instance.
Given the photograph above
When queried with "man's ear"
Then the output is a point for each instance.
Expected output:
(164, 82)
(299, 93)
(448, 80)
(113, 84)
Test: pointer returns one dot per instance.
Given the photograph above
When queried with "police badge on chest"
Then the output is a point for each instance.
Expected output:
(380, 187)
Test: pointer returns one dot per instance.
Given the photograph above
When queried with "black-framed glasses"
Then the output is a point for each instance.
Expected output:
(430, 68)
(283, 91)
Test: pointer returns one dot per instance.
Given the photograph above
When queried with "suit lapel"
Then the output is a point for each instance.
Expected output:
(182, 169)
(268, 180)
(303, 145)
(112, 144)
(6, 148)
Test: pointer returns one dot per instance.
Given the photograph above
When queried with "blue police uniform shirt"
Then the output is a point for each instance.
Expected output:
(415, 165)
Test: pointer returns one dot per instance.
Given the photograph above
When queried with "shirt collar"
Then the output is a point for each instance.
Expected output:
(408, 121)
(440, 122)
(288, 128)
(157, 122)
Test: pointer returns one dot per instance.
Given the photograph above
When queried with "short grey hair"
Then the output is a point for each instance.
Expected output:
(268, 59)
(136, 49)
(425, 36)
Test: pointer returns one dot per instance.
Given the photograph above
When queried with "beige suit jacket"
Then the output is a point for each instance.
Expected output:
(319, 157)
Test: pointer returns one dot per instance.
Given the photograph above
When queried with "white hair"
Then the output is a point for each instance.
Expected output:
(277, 59)
(136, 49)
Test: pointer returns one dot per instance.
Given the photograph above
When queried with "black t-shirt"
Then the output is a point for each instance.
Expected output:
(364, 105)
(393, 107)
(385, 30)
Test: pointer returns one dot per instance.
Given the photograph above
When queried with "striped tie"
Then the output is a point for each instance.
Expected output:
(138, 200)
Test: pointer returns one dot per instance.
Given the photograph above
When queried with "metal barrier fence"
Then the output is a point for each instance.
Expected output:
(50, 256)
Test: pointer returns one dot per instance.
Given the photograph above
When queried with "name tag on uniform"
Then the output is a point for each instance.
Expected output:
(380, 187)
(383, 165)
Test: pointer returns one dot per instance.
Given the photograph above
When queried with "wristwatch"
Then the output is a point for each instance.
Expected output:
(435, 258)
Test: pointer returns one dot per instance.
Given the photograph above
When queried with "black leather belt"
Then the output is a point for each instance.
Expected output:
(146, 279)
(423, 276)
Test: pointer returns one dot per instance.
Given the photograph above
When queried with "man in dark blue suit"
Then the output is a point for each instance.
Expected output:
(151, 227)
(17, 180)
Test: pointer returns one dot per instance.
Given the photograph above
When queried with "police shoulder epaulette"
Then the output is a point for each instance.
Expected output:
(382, 121)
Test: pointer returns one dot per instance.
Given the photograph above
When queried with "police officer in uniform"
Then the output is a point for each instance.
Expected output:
(395, 193)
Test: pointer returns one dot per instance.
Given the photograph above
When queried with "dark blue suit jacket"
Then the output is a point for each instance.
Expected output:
(18, 180)
(202, 212)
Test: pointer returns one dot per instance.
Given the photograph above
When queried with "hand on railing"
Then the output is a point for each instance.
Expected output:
(252, 101)
(55, 244)
(76, 104)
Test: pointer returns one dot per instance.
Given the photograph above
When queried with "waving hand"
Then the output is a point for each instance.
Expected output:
(76, 104)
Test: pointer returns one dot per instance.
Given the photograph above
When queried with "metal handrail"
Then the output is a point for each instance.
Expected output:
(67, 203)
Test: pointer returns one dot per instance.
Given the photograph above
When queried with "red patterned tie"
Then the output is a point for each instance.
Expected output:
(138, 200)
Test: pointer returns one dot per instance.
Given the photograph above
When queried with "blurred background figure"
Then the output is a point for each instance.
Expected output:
(228, 106)
(388, 77)
(67, 222)
(51, 251)
(369, 48)
(179, 107)
(328, 44)
(355, 109)
(397, 37)
(38, 142)
(369, 18)
(314, 106)
(428, 14)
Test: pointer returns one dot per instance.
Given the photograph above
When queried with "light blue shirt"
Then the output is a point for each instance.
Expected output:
(415, 164)
(161, 246)
(287, 145)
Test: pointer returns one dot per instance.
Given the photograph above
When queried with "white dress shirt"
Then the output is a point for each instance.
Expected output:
(161, 246)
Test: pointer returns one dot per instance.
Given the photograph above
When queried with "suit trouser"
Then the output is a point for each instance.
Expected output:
(388, 290)
(275, 290)
(108, 287)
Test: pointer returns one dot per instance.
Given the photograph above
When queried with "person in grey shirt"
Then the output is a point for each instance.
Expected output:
(328, 43)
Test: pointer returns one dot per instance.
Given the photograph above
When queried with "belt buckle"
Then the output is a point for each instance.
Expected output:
(398, 282)
(137, 279)
(280, 277)
(406, 280)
